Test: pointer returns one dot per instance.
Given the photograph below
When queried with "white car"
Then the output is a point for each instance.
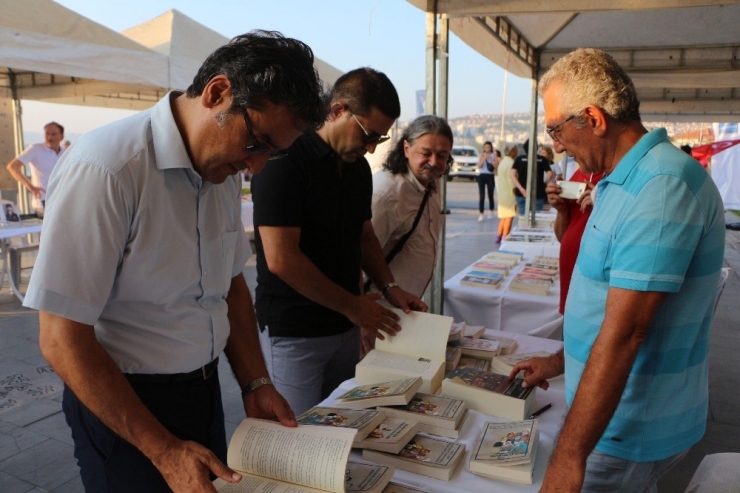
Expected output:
(465, 164)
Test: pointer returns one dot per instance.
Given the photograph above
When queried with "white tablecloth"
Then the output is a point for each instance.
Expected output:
(532, 250)
(505, 310)
(463, 480)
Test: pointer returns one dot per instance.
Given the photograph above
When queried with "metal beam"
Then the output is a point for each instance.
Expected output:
(502, 31)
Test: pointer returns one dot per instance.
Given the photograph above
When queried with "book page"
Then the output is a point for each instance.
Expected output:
(256, 484)
(308, 455)
(399, 362)
(422, 334)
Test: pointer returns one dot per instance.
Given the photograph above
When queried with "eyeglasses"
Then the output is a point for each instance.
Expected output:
(257, 147)
(370, 137)
(551, 131)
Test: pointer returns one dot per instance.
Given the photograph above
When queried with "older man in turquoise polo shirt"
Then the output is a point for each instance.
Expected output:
(641, 300)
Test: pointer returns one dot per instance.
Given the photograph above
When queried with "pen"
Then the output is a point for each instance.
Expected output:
(537, 413)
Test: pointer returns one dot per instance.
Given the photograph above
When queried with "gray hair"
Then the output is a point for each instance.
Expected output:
(396, 161)
(591, 77)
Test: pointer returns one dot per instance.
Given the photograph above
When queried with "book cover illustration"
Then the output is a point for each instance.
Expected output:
(363, 477)
(388, 431)
(341, 418)
(431, 405)
(491, 381)
(430, 451)
(395, 387)
(506, 442)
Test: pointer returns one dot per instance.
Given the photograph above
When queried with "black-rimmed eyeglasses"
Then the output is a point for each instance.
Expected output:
(370, 137)
(257, 147)
(552, 131)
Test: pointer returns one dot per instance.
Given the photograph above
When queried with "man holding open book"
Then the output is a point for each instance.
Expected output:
(139, 299)
(641, 300)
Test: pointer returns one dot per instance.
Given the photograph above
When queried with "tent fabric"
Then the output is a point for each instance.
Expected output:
(55, 55)
(187, 43)
(681, 54)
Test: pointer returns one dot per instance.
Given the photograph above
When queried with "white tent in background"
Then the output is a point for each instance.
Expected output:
(50, 53)
(187, 43)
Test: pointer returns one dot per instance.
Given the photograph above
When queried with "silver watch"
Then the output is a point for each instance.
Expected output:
(254, 385)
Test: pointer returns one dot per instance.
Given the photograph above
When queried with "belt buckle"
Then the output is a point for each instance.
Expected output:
(206, 372)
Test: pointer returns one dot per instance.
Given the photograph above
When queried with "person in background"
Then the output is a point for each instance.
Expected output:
(486, 169)
(410, 173)
(570, 223)
(505, 186)
(138, 300)
(554, 167)
(65, 144)
(518, 174)
(314, 235)
(41, 158)
(642, 295)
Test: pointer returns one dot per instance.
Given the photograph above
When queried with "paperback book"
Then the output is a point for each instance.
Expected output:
(477, 363)
(490, 393)
(452, 358)
(422, 455)
(436, 414)
(272, 457)
(506, 451)
(362, 421)
(505, 364)
(506, 345)
(481, 282)
(390, 436)
(393, 393)
(479, 348)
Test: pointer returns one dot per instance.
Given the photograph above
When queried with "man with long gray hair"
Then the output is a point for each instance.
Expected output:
(641, 300)
(404, 189)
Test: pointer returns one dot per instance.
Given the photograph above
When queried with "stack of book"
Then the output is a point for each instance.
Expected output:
(480, 279)
(529, 238)
(452, 358)
(479, 348)
(492, 267)
(423, 455)
(506, 451)
(363, 421)
(490, 393)
(272, 457)
(535, 278)
(393, 393)
(506, 345)
(476, 363)
(390, 436)
(436, 415)
(462, 329)
(504, 257)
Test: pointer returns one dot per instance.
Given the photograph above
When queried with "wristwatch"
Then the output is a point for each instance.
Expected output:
(388, 286)
(254, 385)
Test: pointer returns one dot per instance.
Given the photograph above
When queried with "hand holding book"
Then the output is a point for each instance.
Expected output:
(537, 371)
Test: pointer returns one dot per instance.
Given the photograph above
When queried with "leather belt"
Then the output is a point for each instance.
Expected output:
(203, 373)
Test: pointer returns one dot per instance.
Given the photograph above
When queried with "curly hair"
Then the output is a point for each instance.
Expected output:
(396, 161)
(265, 66)
(588, 76)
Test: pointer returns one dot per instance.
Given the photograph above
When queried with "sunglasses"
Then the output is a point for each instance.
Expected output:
(256, 147)
(370, 137)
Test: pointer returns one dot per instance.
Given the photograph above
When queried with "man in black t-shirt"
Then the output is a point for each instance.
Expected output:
(519, 177)
(313, 235)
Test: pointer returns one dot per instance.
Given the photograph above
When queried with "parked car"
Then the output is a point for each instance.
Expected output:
(466, 162)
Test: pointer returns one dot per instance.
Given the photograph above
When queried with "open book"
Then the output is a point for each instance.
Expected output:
(418, 350)
(307, 459)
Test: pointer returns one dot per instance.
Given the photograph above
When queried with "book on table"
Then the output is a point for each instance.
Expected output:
(307, 459)
(393, 393)
(481, 281)
(452, 357)
(418, 350)
(504, 364)
(390, 436)
(530, 286)
(456, 331)
(506, 451)
(479, 348)
(477, 363)
(436, 414)
(474, 331)
(506, 345)
(490, 393)
(394, 487)
(492, 267)
(551, 261)
(422, 455)
(362, 421)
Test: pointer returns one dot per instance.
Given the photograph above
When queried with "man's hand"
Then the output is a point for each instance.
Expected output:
(367, 337)
(374, 318)
(37, 191)
(553, 191)
(538, 370)
(186, 465)
(586, 199)
(564, 476)
(405, 300)
(265, 402)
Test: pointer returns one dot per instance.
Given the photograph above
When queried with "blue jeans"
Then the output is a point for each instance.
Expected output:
(305, 370)
(485, 181)
(521, 201)
(608, 473)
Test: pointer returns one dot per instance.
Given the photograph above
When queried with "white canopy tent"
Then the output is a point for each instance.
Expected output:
(187, 43)
(683, 55)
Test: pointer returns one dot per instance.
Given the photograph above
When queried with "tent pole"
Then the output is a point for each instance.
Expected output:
(22, 199)
(529, 205)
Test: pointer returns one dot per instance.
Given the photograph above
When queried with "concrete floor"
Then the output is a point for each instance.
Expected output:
(35, 443)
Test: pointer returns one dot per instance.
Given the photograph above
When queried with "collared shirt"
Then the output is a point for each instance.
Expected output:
(136, 244)
(658, 225)
(306, 190)
(41, 160)
(396, 201)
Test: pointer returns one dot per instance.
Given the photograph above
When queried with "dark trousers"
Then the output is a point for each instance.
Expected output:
(485, 181)
(190, 410)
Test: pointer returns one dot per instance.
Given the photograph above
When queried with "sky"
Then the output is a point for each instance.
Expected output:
(388, 35)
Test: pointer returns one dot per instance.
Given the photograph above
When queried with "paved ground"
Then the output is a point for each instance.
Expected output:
(35, 444)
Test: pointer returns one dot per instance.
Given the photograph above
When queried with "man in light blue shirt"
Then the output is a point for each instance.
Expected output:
(139, 276)
(641, 300)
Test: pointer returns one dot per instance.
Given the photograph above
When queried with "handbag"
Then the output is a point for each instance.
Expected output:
(402, 241)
